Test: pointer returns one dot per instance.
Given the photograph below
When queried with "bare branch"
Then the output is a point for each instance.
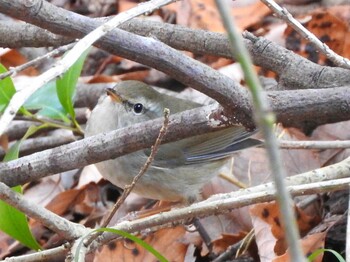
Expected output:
(16, 35)
(36, 61)
(44, 255)
(61, 226)
(296, 25)
(294, 71)
(334, 177)
(314, 144)
(67, 61)
(32, 145)
(313, 182)
(105, 146)
(189, 123)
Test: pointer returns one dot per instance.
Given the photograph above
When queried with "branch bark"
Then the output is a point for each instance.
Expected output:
(293, 108)
(189, 123)
(294, 71)
(108, 145)
(144, 50)
(330, 178)
(229, 94)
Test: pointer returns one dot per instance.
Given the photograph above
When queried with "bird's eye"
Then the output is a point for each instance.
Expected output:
(138, 108)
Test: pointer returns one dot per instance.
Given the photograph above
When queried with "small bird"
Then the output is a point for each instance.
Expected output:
(180, 169)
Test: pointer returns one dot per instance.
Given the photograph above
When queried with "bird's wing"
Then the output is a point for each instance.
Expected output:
(204, 148)
(220, 145)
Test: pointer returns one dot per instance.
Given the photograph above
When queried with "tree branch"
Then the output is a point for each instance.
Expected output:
(150, 52)
(61, 226)
(18, 34)
(294, 71)
(18, 99)
(189, 123)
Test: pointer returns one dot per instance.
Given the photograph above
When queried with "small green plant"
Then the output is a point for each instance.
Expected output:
(12, 221)
(52, 103)
(316, 253)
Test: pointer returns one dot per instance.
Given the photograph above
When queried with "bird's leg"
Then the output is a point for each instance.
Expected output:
(196, 223)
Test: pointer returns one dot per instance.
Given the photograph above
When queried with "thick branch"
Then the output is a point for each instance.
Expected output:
(144, 50)
(310, 108)
(32, 145)
(105, 146)
(193, 122)
(294, 71)
(156, 54)
(15, 35)
(305, 109)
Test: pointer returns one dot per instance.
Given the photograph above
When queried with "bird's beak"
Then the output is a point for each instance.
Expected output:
(114, 96)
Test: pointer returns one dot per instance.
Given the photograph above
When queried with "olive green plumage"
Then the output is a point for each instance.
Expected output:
(180, 169)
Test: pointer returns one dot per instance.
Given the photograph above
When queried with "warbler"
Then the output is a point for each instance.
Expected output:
(180, 169)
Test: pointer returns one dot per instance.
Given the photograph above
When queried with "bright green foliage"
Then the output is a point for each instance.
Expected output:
(316, 253)
(13, 222)
(46, 101)
(54, 100)
(66, 85)
(7, 89)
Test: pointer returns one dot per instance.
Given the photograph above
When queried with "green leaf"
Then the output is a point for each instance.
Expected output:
(15, 224)
(124, 234)
(65, 86)
(317, 252)
(12, 221)
(46, 101)
(13, 152)
(7, 89)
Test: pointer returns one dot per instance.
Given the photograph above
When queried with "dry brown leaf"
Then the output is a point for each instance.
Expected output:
(14, 58)
(309, 244)
(81, 200)
(4, 141)
(45, 190)
(250, 13)
(203, 14)
(165, 241)
(269, 233)
(102, 79)
(5, 245)
(199, 14)
(124, 5)
(327, 25)
(226, 240)
(332, 132)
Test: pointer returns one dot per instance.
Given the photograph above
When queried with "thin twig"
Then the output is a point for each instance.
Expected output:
(314, 144)
(44, 255)
(73, 55)
(297, 26)
(36, 61)
(206, 208)
(31, 145)
(154, 150)
(129, 188)
(61, 226)
(312, 182)
(265, 119)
